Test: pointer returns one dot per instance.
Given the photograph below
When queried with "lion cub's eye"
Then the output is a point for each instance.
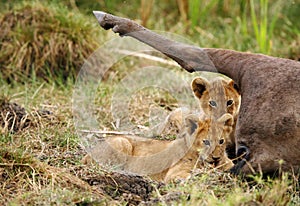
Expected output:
(206, 142)
(229, 102)
(213, 103)
(221, 141)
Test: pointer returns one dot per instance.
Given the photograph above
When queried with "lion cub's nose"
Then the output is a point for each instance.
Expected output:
(216, 158)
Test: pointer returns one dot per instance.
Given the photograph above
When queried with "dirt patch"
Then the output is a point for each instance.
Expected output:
(13, 117)
(130, 188)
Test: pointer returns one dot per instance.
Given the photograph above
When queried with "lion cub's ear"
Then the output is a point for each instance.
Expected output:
(232, 84)
(190, 124)
(199, 86)
(227, 119)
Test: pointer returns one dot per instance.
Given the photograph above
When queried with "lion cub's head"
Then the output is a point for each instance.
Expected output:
(217, 97)
(212, 136)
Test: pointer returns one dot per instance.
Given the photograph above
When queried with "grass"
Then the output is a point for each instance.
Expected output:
(199, 10)
(263, 28)
(38, 40)
(41, 164)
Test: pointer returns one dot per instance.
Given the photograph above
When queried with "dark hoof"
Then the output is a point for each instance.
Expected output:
(243, 155)
(243, 152)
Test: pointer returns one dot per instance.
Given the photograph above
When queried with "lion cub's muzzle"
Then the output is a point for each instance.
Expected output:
(214, 161)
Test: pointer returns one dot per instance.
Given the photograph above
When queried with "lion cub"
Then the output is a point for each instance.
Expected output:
(202, 142)
(215, 98)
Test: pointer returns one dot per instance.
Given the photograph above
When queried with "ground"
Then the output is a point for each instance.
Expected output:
(40, 164)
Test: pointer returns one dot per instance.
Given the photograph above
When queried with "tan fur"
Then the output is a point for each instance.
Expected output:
(212, 155)
(159, 158)
(174, 122)
(221, 91)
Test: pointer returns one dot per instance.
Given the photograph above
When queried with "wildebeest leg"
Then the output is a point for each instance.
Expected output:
(244, 154)
(191, 58)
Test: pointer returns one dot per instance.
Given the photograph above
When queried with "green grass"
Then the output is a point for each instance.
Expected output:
(262, 26)
(41, 164)
(213, 188)
(199, 11)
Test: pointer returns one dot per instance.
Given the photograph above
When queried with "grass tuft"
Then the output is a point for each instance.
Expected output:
(25, 180)
(45, 41)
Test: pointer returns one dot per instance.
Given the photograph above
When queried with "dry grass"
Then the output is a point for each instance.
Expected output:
(40, 165)
(41, 40)
(13, 118)
(26, 180)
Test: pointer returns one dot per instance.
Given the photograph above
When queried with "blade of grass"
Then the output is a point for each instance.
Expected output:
(263, 30)
(254, 20)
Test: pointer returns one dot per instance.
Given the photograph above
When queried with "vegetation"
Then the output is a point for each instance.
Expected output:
(44, 41)
(42, 48)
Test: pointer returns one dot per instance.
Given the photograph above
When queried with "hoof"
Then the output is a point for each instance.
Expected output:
(244, 155)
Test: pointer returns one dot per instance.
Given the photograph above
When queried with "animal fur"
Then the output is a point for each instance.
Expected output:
(202, 143)
(269, 121)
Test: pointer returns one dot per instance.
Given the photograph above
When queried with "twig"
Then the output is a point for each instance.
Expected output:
(147, 56)
(107, 132)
